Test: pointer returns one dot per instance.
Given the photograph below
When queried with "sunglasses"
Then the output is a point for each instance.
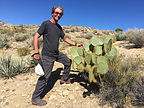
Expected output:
(58, 13)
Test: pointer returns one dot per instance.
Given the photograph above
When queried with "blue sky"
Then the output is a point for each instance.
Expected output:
(98, 14)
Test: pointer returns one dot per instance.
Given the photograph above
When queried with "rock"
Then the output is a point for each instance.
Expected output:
(23, 95)
(76, 88)
(18, 105)
(71, 97)
(69, 89)
(65, 93)
(18, 85)
(59, 92)
(52, 97)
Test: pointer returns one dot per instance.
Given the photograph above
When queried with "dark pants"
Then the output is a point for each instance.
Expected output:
(48, 63)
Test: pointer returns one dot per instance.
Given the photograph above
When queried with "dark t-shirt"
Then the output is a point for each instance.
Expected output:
(51, 33)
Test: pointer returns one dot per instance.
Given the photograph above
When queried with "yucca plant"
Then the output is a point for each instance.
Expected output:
(31, 62)
(10, 67)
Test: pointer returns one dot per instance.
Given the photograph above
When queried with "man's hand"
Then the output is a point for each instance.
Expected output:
(37, 56)
(80, 46)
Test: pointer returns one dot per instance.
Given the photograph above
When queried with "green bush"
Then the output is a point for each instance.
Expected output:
(19, 29)
(3, 41)
(118, 30)
(10, 68)
(23, 51)
(135, 36)
(21, 37)
(120, 36)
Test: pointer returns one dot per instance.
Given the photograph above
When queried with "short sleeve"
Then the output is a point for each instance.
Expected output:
(41, 28)
(62, 34)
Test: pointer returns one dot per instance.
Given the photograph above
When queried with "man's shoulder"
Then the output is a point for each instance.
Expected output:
(46, 22)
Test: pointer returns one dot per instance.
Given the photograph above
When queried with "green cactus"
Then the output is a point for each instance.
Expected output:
(78, 60)
(88, 59)
(95, 57)
(113, 53)
(86, 46)
(101, 59)
(80, 51)
(102, 68)
(107, 44)
(96, 41)
(74, 65)
(74, 52)
(98, 50)
(81, 67)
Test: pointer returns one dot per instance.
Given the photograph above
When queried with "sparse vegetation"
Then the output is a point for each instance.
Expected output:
(21, 37)
(135, 36)
(118, 83)
(10, 68)
(120, 36)
(3, 41)
(23, 51)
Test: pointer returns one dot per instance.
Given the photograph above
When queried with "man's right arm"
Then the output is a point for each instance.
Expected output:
(36, 50)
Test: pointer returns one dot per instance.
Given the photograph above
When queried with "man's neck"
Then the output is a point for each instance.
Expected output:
(53, 21)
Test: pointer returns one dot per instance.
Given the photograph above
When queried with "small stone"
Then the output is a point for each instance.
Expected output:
(52, 97)
(65, 93)
(17, 85)
(23, 95)
(5, 82)
(69, 89)
(71, 97)
(77, 88)
(7, 90)
(7, 103)
(13, 90)
(28, 96)
(18, 105)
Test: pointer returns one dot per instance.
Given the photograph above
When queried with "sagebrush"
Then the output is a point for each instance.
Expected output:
(135, 36)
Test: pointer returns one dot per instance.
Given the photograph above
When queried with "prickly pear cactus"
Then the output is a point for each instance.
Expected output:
(95, 57)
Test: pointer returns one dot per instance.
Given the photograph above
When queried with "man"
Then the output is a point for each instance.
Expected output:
(51, 32)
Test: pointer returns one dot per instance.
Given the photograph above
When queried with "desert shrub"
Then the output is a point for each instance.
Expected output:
(86, 36)
(23, 51)
(3, 41)
(118, 30)
(120, 36)
(10, 68)
(67, 30)
(74, 28)
(63, 45)
(21, 37)
(31, 62)
(137, 97)
(135, 36)
(19, 29)
(29, 43)
(118, 82)
(4, 31)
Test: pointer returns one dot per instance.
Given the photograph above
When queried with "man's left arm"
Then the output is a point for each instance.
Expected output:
(72, 42)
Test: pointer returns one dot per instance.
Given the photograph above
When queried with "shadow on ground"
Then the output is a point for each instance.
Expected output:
(55, 75)
(82, 79)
